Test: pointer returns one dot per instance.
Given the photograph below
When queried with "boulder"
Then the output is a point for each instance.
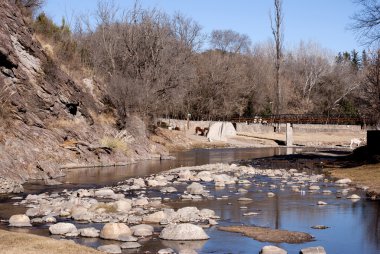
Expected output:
(104, 193)
(111, 248)
(187, 214)
(89, 232)
(270, 249)
(166, 251)
(183, 232)
(114, 231)
(220, 131)
(142, 230)
(353, 196)
(123, 205)
(187, 251)
(63, 228)
(154, 217)
(19, 220)
(313, 250)
(343, 181)
(130, 245)
(195, 189)
(10, 186)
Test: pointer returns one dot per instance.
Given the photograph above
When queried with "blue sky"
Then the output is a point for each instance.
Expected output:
(323, 21)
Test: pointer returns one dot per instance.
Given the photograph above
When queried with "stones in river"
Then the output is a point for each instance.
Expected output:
(142, 230)
(19, 220)
(241, 190)
(63, 228)
(321, 203)
(130, 245)
(313, 250)
(195, 188)
(89, 232)
(270, 194)
(245, 199)
(319, 227)
(343, 181)
(183, 232)
(111, 248)
(166, 251)
(353, 196)
(154, 217)
(314, 187)
(270, 249)
(114, 231)
(250, 214)
(104, 193)
(123, 205)
(327, 192)
(187, 251)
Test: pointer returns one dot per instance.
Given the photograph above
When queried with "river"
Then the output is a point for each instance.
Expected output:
(354, 227)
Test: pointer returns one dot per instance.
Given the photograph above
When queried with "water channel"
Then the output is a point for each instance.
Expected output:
(354, 227)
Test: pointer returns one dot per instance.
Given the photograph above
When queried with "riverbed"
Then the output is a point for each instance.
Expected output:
(354, 226)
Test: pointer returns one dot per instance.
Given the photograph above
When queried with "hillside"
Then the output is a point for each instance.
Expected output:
(49, 120)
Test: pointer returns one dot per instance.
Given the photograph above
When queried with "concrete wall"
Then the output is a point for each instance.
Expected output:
(261, 128)
(254, 128)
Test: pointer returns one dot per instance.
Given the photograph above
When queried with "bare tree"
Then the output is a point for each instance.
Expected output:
(30, 5)
(276, 26)
(367, 21)
(230, 41)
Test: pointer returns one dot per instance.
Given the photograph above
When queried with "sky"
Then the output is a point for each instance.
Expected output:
(325, 22)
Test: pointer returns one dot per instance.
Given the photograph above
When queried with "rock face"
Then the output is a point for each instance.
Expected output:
(115, 231)
(46, 112)
(19, 220)
(183, 232)
(10, 186)
(220, 131)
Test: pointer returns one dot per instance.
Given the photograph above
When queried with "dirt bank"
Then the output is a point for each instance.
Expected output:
(269, 235)
(16, 243)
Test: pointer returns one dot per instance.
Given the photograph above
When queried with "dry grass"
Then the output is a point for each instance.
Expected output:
(21, 243)
(269, 235)
(65, 124)
(366, 175)
(115, 144)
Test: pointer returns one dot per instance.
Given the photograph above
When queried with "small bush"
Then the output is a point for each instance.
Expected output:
(115, 144)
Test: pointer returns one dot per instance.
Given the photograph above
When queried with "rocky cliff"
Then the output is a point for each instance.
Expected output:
(48, 120)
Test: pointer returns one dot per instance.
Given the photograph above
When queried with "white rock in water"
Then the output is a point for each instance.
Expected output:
(104, 193)
(63, 228)
(353, 196)
(313, 250)
(183, 232)
(343, 181)
(113, 231)
(271, 194)
(155, 217)
(89, 232)
(123, 205)
(111, 248)
(19, 220)
(166, 251)
(269, 249)
(142, 230)
(130, 245)
(314, 187)
(195, 188)
(321, 203)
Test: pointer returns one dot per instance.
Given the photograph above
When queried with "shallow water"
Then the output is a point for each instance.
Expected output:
(354, 226)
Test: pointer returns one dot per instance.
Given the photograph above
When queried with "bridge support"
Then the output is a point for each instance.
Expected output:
(289, 134)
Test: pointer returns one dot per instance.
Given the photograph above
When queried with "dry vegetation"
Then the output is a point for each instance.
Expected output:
(16, 243)
(366, 175)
